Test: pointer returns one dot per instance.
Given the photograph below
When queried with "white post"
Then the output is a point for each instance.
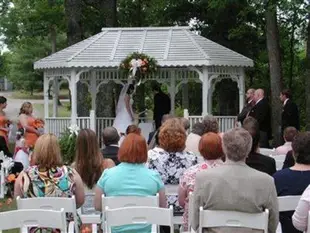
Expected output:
(92, 116)
(210, 100)
(205, 91)
(55, 97)
(172, 91)
(186, 114)
(73, 97)
(241, 90)
(93, 90)
(45, 93)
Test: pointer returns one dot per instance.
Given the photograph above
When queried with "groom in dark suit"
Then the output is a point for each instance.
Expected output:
(262, 113)
(162, 105)
(248, 106)
(290, 114)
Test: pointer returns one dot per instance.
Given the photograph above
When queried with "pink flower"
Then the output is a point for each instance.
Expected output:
(204, 166)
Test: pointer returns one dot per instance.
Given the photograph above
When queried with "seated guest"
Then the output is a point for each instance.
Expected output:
(210, 148)
(289, 160)
(300, 216)
(294, 180)
(185, 122)
(256, 160)
(133, 129)
(131, 178)
(235, 186)
(153, 136)
(211, 124)
(171, 159)
(192, 140)
(110, 138)
(89, 158)
(289, 134)
(48, 176)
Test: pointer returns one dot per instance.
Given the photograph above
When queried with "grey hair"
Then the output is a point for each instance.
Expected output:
(110, 136)
(211, 124)
(198, 128)
(237, 144)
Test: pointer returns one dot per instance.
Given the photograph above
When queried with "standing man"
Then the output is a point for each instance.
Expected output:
(290, 114)
(262, 113)
(248, 106)
(162, 104)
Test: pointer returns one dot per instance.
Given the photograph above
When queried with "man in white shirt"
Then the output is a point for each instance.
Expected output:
(193, 139)
(289, 135)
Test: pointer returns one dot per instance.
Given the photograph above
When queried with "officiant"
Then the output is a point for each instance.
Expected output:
(162, 104)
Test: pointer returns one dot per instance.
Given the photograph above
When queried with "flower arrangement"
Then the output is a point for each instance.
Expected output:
(138, 62)
(67, 143)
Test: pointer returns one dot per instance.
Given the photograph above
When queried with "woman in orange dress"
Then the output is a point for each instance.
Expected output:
(4, 122)
(28, 122)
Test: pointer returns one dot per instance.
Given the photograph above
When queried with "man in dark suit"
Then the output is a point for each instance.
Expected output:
(290, 114)
(248, 106)
(256, 160)
(110, 139)
(262, 113)
(162, 105)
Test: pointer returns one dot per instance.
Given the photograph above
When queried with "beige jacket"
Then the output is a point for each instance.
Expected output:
(237, 187)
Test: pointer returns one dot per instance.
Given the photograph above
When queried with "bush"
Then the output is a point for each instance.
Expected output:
(67, 143)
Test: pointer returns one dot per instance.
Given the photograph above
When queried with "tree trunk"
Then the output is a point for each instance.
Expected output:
(185, 103)
(273, 47)
(292, 53)
(73, 9)
(307, 76)
(105, 98)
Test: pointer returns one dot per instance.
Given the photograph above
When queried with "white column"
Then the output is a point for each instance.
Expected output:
(241, 90)
(92, 116)
(172, 91)
(55, 97)
(205, 91)
(186, 114)
(45, 93)
(93, 90)
(210, 100)
(73, 97)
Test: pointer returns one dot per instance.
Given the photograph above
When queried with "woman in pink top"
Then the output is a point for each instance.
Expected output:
(210, 147)
(300, 216)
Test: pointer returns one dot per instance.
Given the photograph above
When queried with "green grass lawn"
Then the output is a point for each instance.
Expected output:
(63, 94)
(5, 207)
(63, 110)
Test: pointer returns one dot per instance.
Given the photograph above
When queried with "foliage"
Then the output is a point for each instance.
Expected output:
(67, 144)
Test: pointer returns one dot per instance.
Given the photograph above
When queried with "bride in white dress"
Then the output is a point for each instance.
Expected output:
(124, 113)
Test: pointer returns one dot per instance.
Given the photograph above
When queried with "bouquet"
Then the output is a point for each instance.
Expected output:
(39, 125)
(67, 143)
(139, 64)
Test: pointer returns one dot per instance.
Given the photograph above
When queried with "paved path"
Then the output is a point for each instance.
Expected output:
(14, 105)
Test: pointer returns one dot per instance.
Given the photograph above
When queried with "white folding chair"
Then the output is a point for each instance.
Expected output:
(33, 218)
(127, 201)
(288, 203)
(267, 151)
(221, 218)
(2, 182)
(308, 227)
(173, 190)
(279, 161)
(139, 215)
(52, 203)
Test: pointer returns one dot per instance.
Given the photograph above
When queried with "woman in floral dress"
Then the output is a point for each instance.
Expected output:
(170, 159)
(49, 177)
(210, 148)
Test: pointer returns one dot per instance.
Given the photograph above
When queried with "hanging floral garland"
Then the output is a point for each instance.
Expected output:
(139, 64)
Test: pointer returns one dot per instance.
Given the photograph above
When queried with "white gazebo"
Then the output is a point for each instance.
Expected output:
(181, 54)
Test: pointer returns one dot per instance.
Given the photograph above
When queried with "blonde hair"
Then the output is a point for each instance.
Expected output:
(46, 153)
(24, 109)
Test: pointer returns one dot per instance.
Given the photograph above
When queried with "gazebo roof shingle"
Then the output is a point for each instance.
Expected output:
(170, 46)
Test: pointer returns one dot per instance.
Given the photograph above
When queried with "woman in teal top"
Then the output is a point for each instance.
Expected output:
(131, 178)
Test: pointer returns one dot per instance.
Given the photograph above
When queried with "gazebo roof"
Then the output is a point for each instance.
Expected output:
(170, 46)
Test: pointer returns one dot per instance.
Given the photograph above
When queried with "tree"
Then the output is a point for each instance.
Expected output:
(307, 74)
(273, 47)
